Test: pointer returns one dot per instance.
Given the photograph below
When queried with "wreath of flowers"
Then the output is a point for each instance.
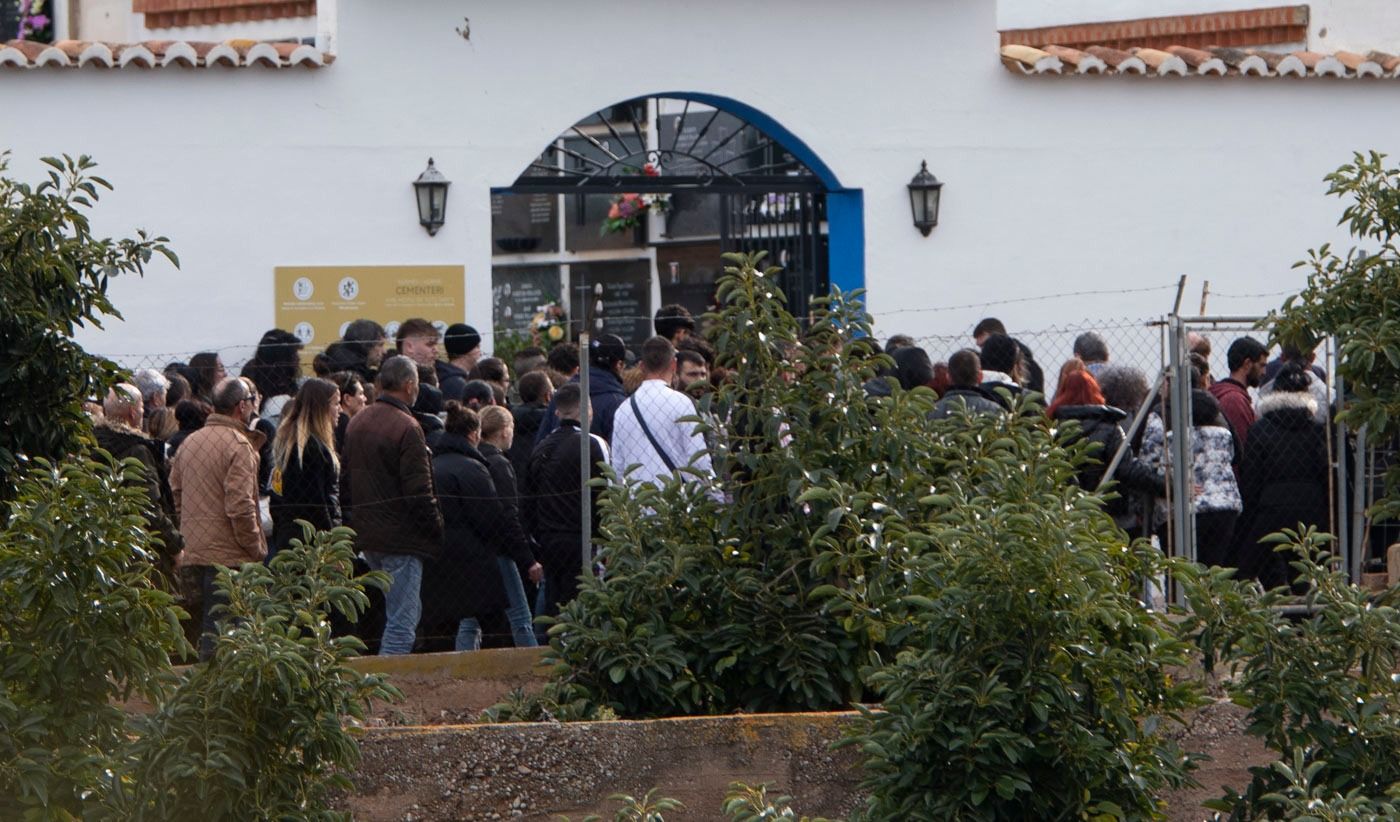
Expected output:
(627, 210)
(549, 325)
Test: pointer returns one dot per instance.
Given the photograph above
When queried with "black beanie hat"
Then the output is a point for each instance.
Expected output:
(461, 339)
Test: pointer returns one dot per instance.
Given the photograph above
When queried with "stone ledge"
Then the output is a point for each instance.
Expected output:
(540, 770)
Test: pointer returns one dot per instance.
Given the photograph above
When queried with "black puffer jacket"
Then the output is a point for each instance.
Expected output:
(465, 579)
(1102, 426)
(1283, 482)
(512, 540)
(527, 424)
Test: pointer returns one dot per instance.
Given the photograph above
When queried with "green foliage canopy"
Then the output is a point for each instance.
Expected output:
(852, 548)
(1356, 298)
(54, 276)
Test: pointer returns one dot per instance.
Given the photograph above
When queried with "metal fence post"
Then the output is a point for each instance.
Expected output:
(1183, 521)
(1351, 548)
(585, 414)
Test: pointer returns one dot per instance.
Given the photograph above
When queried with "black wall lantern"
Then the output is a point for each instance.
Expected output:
(924, 192)
(431, 188)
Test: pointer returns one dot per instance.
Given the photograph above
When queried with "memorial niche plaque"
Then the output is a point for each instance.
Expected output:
(517, 292)
(624, 306)
(524, 223)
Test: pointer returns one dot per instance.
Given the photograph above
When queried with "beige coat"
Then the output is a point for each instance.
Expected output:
(215, 482)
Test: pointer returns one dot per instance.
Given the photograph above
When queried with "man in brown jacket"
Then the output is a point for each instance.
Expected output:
(119, 434)
(386, 480)
(215, 482)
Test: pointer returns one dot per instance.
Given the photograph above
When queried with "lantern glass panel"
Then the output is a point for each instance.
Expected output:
(425, 202)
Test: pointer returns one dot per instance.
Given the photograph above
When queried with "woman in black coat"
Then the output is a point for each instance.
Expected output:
(1283, 476)
(516, 560)
(305, 471)
(1080, 399)
(464, 582)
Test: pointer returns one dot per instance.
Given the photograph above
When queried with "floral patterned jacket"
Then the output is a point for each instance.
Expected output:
(1212, 453)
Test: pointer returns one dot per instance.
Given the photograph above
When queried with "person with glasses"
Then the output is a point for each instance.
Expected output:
(214, 480)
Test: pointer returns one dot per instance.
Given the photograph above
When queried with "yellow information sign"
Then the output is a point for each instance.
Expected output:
(316, 302)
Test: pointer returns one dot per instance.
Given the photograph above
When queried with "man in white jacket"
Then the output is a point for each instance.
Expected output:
(648, 431)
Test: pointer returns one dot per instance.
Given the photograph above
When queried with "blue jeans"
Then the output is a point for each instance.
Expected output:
(517, 613)
(403, 603)
(210, 599)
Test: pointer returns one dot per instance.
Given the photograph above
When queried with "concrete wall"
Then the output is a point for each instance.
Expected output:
(1053, 185)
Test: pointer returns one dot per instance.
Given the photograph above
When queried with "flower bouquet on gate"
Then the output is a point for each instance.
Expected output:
(627, 210)
(549, 325)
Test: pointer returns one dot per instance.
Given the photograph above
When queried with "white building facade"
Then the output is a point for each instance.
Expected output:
(1101, 186)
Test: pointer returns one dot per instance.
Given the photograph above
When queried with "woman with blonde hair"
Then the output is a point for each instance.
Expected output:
(305, 475)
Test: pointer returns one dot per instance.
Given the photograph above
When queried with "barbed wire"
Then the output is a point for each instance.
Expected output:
(1016, 300)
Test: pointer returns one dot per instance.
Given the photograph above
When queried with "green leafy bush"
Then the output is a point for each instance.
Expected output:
(256, 733)
(1032, 683)
(1356, 298)
(857, 548)
(81, 628)
(259, 731)
(55, 278)
(1321, 690)
(715, 613)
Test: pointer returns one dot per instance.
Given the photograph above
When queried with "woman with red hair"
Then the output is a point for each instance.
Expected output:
(1079, 399)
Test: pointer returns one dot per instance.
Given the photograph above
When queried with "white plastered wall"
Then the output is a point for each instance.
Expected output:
(1053, 185)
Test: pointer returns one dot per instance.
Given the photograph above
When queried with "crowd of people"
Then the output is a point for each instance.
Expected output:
(461, 473)
(1258, 444)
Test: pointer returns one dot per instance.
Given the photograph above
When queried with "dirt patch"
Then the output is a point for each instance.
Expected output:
(451, 688)
(540, 770)
(1218, 731)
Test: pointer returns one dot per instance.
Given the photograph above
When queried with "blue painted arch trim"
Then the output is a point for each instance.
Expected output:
(769, 126)
(845, 207)
(845, 218)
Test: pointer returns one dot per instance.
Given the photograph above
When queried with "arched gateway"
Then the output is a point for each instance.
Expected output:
(632, 206)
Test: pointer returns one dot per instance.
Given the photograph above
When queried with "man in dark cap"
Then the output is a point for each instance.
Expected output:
(674, 323)
(607, 354)
(463, 346)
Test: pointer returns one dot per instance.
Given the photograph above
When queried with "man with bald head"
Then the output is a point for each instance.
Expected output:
(119, 434)
(215, 482)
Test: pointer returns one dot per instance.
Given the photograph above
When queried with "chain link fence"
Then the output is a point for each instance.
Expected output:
(498, 507)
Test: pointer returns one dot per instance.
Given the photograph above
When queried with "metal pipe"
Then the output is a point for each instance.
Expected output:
(1354, 553)
(1362, 496)
(1223, 319)
(1182, 478)
(585, 456)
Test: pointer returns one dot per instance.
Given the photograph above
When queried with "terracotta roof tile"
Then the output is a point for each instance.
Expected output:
(160, 53)
(1188, 61)
(1121, 62)
(1389, 63)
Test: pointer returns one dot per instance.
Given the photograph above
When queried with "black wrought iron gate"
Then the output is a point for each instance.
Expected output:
(790, 226)
(769, 200)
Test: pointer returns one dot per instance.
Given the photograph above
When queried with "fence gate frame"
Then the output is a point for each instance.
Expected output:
(1346, 497)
